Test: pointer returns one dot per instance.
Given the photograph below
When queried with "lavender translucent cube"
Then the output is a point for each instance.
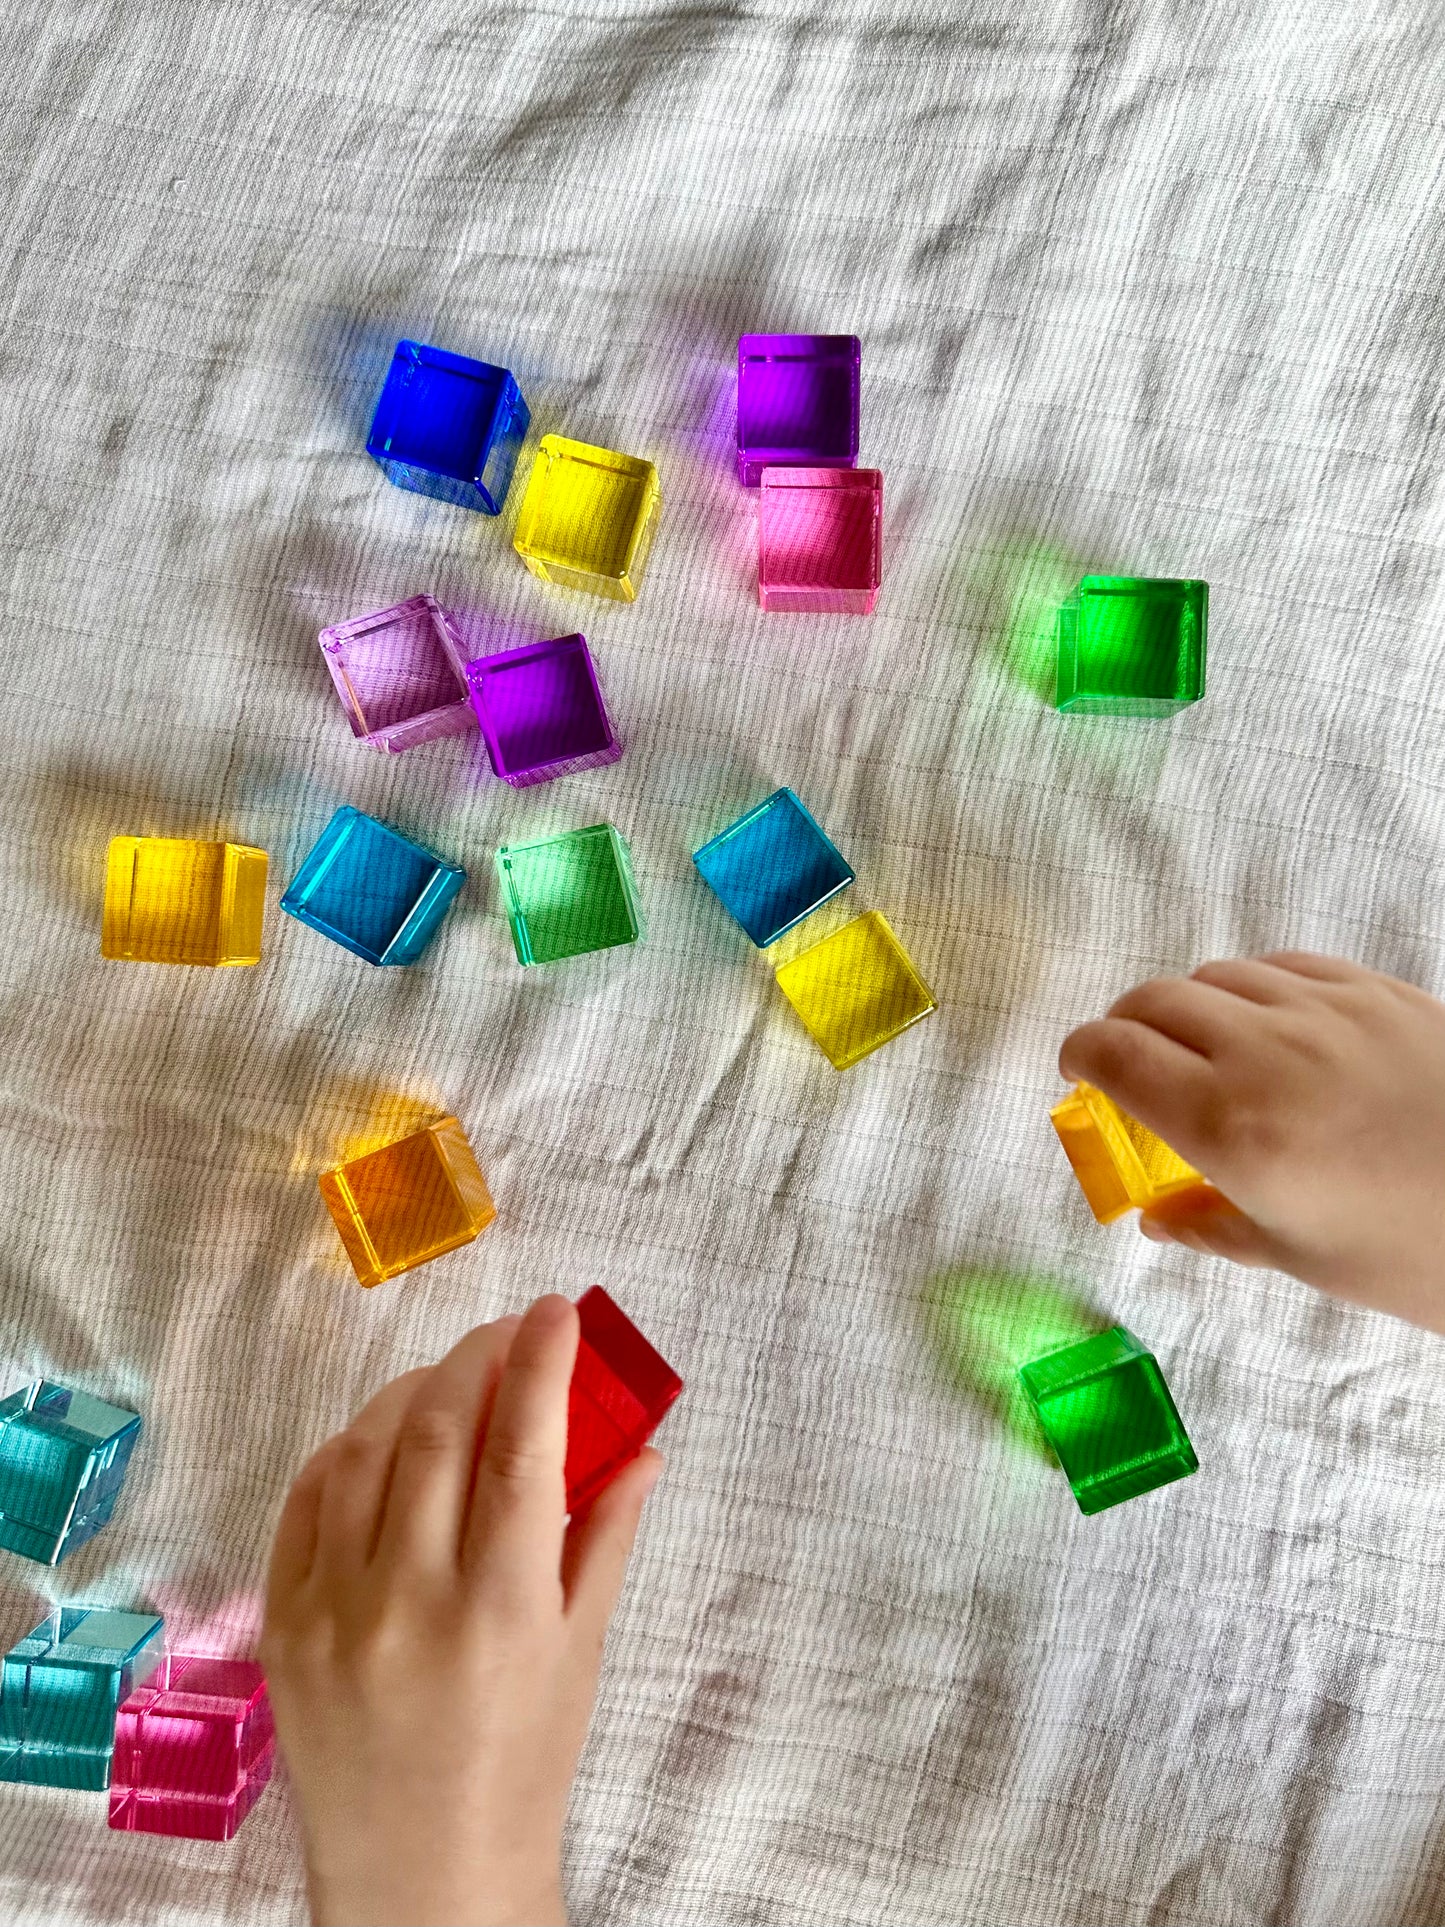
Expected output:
(399, 674)
(797, 403)
(541, 712)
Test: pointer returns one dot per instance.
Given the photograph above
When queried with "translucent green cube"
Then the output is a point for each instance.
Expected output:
(569, 894)
(1132, 645)
(1106, 1411)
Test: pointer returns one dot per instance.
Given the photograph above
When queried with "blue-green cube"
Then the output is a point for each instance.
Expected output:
(773, 867)
(60, 1688)
(63, 1459)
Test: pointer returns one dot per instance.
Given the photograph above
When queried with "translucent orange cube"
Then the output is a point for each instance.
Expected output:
(1120, 1164)
(409, 1201)
(173, 900)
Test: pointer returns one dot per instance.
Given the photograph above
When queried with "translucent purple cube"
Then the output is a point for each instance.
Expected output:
(541, 712)
(399, 674)
(797, 403)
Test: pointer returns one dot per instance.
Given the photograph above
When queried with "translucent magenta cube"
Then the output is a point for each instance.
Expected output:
(372, 890)
(408, 1201)
(60, 1688)
(588, 517)
(194, 1748)
(177, 900)
(541, 712)
(449, 427)
(820, 539)
(797, 403)
(63, 1459)
(621, 1390)
(399, 675)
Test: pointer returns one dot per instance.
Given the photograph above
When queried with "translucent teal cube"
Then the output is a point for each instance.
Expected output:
(1106, 1412)
(63, 1459)
(1131, 646)
(372, 890)
(570, 894)
(773, 867)
(60, 1688)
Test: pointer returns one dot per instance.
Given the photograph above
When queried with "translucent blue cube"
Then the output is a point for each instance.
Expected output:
(373, 890)
(772, 868)
(59, 1690)
(63, 1457)
(449, 427)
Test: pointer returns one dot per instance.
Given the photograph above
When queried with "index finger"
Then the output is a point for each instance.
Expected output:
(1168, 1087)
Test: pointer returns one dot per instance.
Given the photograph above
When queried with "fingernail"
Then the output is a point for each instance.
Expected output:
(551, 1310)
(1156, 1233)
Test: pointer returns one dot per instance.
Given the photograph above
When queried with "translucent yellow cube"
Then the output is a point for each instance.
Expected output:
(588, 518)
(409, 1201)
(172, 900)
(1120, 1164)
(856, 989)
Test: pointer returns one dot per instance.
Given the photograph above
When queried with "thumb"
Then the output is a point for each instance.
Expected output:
(1205, 1220)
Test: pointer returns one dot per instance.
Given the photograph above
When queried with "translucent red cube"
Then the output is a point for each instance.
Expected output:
(820, 539)
(621, 1389)
(194, 1748)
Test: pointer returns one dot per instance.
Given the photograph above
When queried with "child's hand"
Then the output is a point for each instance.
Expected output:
(1312, 1093)
(433, 1634)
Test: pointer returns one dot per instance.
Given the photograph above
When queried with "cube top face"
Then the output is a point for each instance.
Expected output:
(179, 901)
(194, 1746)
(570, 894)
(621, 1390)
(820, 539)
(398, 674)
(798, 402)
(63, 1456)
(541, 712)
(408, 1202)
(1120, 1164)
(773, 867)
(1107, 1413)
(372, 890)
(59, 1690)
(588, 517)
(448, 427)
(1132, 646)
(856, 989)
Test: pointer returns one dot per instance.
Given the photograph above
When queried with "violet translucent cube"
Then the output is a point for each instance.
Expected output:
(798, 401)
(540, 711)
(194, 1748)
(449, 427)
(399, 674)
(820, 539)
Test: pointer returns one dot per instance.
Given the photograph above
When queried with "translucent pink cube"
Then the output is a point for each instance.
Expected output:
(820, 539)
(400, 674)
(194, 1747)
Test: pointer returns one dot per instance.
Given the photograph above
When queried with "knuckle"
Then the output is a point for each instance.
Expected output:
(516, 1462)
(430, 1433)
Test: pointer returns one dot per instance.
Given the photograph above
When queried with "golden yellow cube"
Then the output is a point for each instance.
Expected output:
(173, 900)
(409, 1201)
(588, 518)
(1119, 1162)
(856, 989)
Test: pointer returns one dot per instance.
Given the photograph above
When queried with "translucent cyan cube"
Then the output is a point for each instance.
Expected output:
(856, 989)
(60, 1688)
(448, 426)
(541, 712)
(621, 1389)
(409, 1201)
(797, 403)
(588, 518)
(773, 867)
(1106, 1412)
(194, 1748)
(63, 1459)
(1131, 646)
(373, 890)
(1120, 1164)
(569, 894)
(820, 539)
(399, 675)
(174, 900)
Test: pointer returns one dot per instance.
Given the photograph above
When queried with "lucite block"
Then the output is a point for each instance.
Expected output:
(541, 712)
(798, 401)
(194, 1748)
(588, 518)
(1120, 1164)
(449, 427)
(569, 894)
(621, 1390)
(63, 1459)
(399, 675)
(179, 901)
(820, 539)
(407, 1202)
(856, 989)
(1132, 646)
(1106, 1412)
(60, 1688)
(773, 867)
(373, 890)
